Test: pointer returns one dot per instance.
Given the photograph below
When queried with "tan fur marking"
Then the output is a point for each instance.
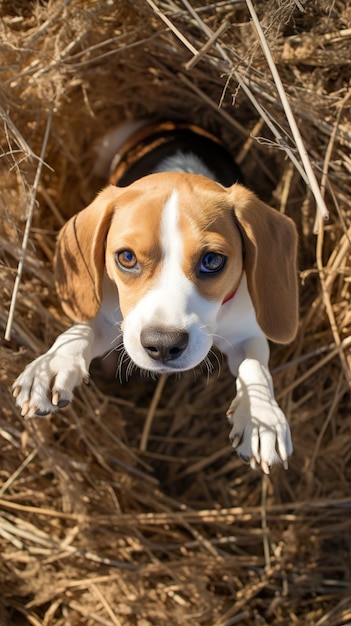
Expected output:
(136, 227)
(270, 241)
(207, 225)
(80, 258)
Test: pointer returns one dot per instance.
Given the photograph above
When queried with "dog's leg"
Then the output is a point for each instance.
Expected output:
(260, 432)
(47, 383)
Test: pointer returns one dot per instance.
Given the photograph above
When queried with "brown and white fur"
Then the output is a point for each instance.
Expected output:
(172, 264)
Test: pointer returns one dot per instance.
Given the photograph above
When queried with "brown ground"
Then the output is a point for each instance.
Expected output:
(92, 530)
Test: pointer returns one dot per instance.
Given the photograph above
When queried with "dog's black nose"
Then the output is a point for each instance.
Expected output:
(164, 344)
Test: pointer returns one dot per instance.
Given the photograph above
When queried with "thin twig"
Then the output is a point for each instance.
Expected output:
(18, 471)
(319, 251)
(214, 105)
(200, 54)
(265, 116)
(338, 392)
(27, 229)
(290, 117)
(151, 413)
(106, 605)
(265, 540)
(173, 28)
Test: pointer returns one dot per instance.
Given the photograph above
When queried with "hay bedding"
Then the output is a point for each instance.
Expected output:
(93, 530)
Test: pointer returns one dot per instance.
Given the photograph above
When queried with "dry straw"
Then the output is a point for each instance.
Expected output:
(130, 508)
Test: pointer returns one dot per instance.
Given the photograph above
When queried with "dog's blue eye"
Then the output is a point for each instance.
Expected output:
(212, 262)
(127, 260)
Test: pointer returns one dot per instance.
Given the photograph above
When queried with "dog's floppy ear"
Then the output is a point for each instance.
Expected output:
(270, 249)
(80, 257)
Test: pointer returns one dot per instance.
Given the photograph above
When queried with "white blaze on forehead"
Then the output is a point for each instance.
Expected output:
(173, 288)
(177, 296)
(171, 240)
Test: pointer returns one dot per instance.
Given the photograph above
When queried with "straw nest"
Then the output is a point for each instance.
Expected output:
(101, 521)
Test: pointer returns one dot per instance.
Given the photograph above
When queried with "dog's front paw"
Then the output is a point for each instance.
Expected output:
(47, 383)
(260, 433)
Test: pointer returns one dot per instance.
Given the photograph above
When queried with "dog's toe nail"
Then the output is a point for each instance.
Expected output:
(265, 467)
(25, 408)
(236, 440)
(16, 391)
(55, 398)
(32, 411)
(253, 463)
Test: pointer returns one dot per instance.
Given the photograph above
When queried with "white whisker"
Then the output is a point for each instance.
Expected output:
(218, 361)
(222, 338)
(209, 368)
(131, 367)
(118, 337)
(123, 358)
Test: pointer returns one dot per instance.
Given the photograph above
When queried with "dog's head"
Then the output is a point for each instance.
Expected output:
(176, 245)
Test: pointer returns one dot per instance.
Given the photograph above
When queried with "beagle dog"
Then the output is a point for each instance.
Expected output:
(173, 257)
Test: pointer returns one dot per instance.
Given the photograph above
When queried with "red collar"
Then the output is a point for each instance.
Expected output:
(232, 294)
